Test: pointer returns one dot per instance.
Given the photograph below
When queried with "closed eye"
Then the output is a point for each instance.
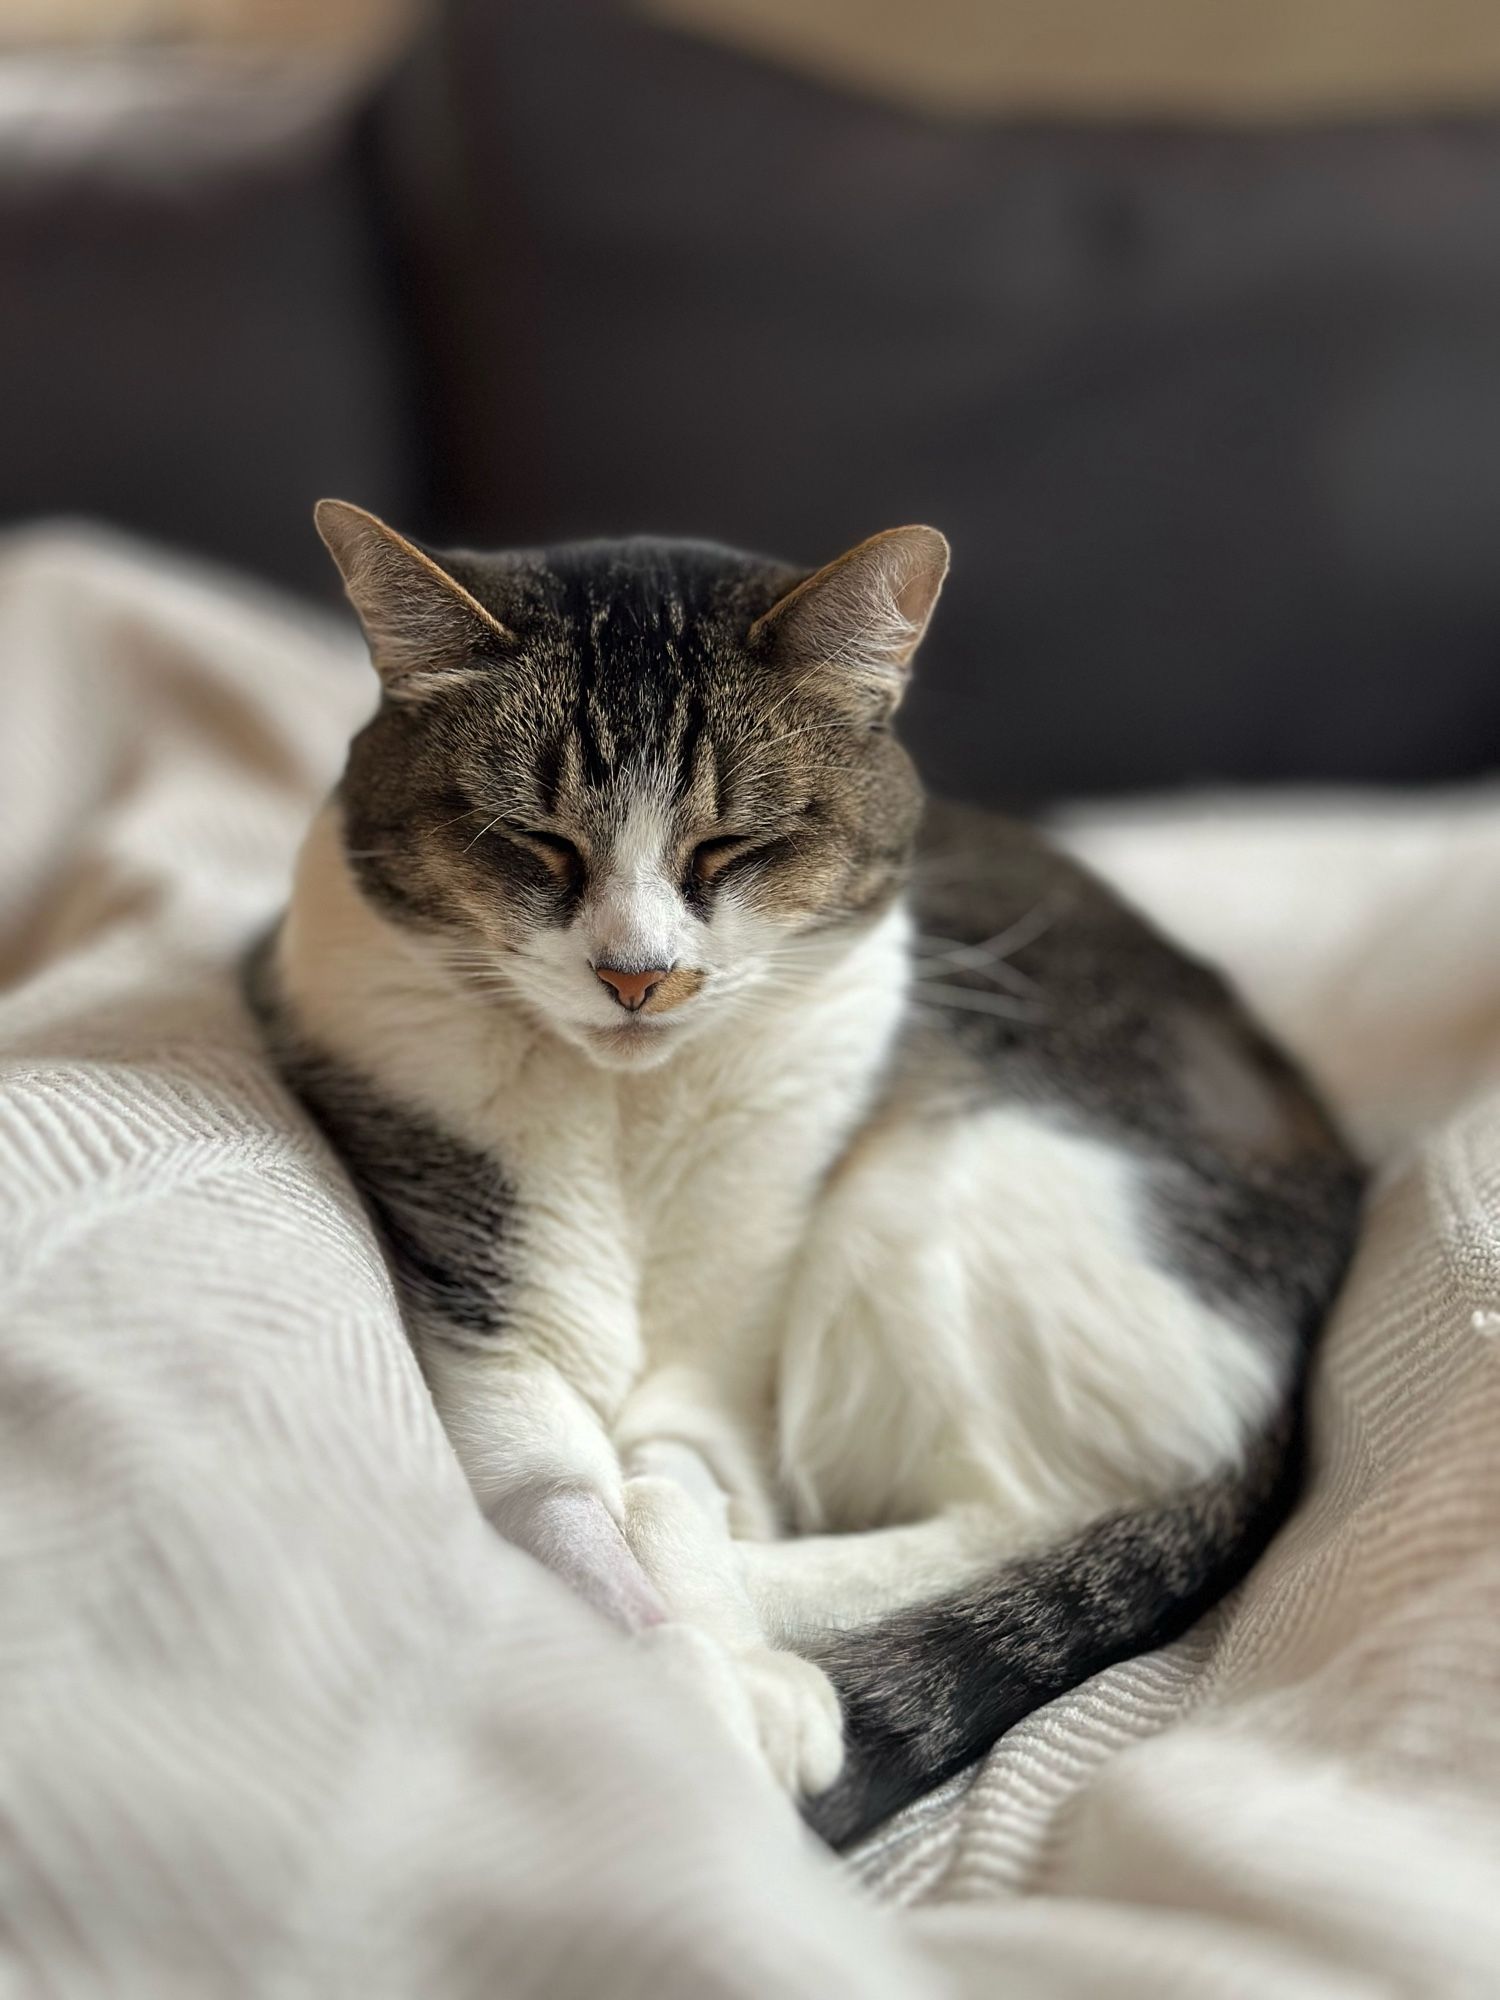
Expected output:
(712, 857)
(560, 855)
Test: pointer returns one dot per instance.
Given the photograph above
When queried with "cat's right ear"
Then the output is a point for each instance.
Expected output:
(423, 627)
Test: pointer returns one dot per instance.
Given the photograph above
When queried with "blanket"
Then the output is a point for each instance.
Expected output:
(280, 1716)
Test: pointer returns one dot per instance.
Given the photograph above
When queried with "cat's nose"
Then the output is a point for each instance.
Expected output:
(631, 989)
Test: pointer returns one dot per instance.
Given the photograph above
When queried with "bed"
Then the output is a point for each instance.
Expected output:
(280, 1716)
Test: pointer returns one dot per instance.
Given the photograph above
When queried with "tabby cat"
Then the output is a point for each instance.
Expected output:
(842, 1239)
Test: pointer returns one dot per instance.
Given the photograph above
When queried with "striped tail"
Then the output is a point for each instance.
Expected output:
(931, 1687)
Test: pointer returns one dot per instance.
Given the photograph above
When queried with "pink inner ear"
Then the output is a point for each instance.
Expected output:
(917, 593)
(917, 560)
(911, 599)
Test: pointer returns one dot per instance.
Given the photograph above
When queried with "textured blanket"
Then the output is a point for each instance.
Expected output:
(279, 1716)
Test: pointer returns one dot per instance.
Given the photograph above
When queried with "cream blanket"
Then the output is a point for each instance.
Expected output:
(278, 1716)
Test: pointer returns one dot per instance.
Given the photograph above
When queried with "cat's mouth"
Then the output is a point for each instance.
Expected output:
(636, 1042)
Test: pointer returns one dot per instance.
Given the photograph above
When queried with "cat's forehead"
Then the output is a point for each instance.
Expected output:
(631, 670)
(592, 748)
(611, 602)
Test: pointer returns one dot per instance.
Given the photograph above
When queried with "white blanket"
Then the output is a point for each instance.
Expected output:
(278, 1716)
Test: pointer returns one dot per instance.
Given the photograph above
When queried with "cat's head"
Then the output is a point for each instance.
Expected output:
(631, 784)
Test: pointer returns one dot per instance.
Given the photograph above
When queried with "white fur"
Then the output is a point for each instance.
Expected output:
(636, 918)
(954, 1340)
(974, 1321)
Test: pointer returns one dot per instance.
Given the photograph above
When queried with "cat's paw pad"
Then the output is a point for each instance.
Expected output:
(779, 1708)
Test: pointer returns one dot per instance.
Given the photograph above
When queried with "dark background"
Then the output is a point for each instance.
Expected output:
(1211, 416)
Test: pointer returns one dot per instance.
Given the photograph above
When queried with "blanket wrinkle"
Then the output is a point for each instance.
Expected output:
(280, 1716)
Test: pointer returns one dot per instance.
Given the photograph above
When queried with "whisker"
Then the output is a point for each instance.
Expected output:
(1037, 921)
(999, 974)
(933, 993)
(438, 827)
(788, 695)
(987, 960)
(822, 728)
(483, 831)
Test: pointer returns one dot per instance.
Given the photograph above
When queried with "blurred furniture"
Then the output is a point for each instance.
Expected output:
(197, 333)
(1235, 60)
(1211, 412)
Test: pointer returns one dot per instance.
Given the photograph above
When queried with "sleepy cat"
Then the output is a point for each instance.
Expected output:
(848, 1245)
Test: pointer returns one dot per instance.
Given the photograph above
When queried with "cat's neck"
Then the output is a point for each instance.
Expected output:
(382, 998)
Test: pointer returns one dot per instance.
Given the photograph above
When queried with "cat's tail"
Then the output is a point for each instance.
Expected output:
(929, 1688)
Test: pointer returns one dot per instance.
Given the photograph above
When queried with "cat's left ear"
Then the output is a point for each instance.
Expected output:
(863, 616)
(422, 625)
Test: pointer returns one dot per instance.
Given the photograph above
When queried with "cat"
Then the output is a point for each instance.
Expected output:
(842, 1239)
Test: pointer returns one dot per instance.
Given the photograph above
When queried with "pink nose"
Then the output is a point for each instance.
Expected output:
(631, 989)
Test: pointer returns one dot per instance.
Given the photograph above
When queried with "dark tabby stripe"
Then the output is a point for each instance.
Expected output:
(931, 1687)
(444, 1212)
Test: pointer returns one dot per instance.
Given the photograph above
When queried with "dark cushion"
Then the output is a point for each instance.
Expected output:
(194, 342)
(1210, 417)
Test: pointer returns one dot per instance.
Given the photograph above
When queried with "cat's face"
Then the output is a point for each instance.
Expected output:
(632, 786)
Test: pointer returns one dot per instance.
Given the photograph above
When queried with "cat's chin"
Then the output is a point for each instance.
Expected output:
(633, 1045)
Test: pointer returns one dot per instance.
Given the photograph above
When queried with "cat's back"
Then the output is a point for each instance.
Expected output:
(1000, 907)
(1047, 976)
(1037, 985)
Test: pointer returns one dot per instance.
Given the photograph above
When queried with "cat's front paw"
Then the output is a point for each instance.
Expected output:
(798, 1719)
(779, 1708)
